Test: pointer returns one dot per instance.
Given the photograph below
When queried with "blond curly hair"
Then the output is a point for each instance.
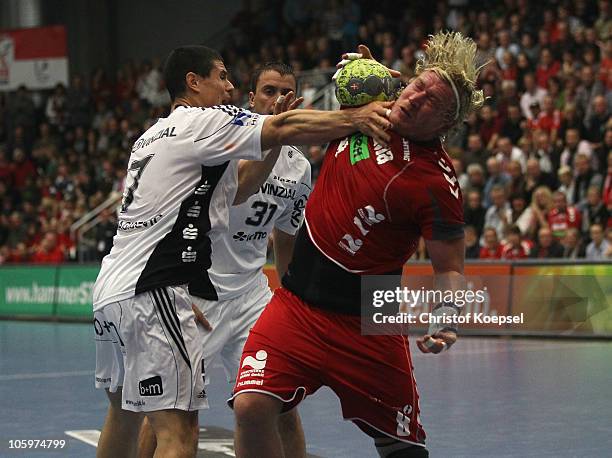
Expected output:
(452, 56)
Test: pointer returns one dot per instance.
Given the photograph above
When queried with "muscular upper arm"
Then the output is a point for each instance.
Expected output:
(447, 255)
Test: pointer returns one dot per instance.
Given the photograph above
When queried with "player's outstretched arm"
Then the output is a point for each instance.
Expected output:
(312, 127)
(253, 174)
(447, 259)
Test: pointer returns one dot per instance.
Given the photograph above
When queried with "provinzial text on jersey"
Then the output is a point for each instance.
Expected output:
(278, 191)
(127, 226)
(167, 132)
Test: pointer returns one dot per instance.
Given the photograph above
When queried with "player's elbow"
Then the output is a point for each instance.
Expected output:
(277, 132)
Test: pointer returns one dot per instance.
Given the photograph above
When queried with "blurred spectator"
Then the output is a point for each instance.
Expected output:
(48, 252)
(21, 112)
(535, 178)
(474, 212)
(567, 184)
(547, 67)
(56, 107)
(512, 126)
(105, 231)
(505, 46)
(544, 152)
(598, 248)
(561, 217)
(507, 152)
(489, 126)
(532, 97)
(546, 247)
(517, 183)
(521, 214)
(499, 214)
(607, 186)
(572, 244)
(586, 177)
(491, 248)
(472, 248)
(476, 178)
(608, 253)
(574, 146)
(548, 119)
(514, 248)
(78, 103)
(475, 153)
(589, 88)
(150, 86)
(595, 122)
(496, 178)
(22, 168)
(462, 177)
(594, 211)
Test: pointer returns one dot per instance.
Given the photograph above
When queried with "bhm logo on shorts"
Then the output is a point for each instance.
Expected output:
(151, 386)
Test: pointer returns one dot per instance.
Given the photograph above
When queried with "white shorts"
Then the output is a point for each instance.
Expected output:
(152, 347)
(231, 321)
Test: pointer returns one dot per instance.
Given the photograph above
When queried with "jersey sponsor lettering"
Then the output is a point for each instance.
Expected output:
(167, 132)
(127, 226)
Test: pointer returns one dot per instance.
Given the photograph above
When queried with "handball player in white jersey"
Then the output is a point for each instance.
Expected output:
(183, 176)
(240, 289)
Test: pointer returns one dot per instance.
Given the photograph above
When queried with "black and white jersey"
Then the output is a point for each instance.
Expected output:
(239, 255)
(181, 181)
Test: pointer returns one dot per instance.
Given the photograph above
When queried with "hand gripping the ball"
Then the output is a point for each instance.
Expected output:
(363, 53)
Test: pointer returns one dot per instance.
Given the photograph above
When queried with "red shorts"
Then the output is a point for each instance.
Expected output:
(294, 349)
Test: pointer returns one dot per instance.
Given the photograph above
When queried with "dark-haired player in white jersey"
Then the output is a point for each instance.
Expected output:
(240, 288)
(182, 179)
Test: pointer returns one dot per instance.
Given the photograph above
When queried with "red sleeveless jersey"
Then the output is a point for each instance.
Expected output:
(371, 204)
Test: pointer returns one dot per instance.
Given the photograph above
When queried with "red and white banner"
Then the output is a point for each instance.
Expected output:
(36, 58)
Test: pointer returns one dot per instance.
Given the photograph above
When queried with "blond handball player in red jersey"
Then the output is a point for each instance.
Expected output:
(370, 206)
(183, 175)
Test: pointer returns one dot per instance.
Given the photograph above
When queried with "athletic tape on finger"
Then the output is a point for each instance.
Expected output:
(350, 56)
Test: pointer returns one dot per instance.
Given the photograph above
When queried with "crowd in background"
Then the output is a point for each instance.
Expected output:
(534, 165)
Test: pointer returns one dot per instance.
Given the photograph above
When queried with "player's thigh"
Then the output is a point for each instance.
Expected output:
(246, 312)
(109, 348)
(164, 352)
(373, 377)
(219, 315)
(281, 357)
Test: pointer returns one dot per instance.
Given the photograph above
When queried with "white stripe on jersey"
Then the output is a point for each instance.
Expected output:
(182, 179)
(239, 255)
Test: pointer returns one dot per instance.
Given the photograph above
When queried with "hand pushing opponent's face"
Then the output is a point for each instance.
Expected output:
(270, 85)
(424, 109)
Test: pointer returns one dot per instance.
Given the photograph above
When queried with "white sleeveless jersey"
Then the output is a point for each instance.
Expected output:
(181, 181)
(239, 255)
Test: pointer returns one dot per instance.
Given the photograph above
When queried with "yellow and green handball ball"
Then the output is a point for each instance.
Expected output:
(363, 81)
